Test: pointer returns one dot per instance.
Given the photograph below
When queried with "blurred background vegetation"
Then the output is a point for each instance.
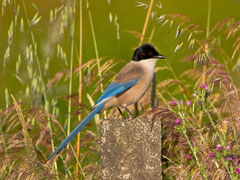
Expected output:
(40, 49)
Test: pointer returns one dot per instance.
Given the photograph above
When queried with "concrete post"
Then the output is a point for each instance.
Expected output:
(130, 149)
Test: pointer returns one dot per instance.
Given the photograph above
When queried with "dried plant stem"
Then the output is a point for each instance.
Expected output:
(152, 33)
(77, 161)
(146, 21)
(26, 136)
(80, 80)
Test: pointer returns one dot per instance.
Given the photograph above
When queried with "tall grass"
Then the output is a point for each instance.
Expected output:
(80, 78)
(199, 108)
(72, 30)
(190, 121)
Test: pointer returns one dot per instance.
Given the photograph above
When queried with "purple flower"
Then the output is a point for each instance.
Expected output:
(181, 102)
(227, 147)
(206, 87)
(188, 156)
(202, 85)
(188, 102)
(211, 154)
(174, 103)
(237, 170)
(219, 147)
(194, 94)
(178, 121)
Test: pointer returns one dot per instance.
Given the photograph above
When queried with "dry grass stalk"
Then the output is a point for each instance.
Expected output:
(24, 125)
(146, 21)
(80, 80)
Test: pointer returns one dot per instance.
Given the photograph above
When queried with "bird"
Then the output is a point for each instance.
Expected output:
(127, 88)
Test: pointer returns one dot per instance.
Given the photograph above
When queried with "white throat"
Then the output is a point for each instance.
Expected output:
(149, 63)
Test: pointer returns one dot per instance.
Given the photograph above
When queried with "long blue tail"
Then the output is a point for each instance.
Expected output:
(70, 137)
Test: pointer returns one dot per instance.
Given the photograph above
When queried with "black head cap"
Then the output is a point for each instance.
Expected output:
(146, 51)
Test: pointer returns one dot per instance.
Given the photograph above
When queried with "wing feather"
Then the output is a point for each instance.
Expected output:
(114, 89)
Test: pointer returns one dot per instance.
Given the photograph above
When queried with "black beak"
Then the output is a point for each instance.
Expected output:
(159, 56)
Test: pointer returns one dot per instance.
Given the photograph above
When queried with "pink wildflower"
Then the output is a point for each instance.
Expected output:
(219, 147)
(211, 154)
(174, 103)
(202, 85)
(177, 121)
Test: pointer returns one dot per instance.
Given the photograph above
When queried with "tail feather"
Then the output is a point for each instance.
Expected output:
(70, 137)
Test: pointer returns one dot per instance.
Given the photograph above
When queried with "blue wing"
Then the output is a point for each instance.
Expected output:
(116, 88)
(111, 90)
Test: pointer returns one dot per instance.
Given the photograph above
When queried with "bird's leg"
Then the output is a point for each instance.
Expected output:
(142, 108)
(136, 109)
(129, 112)
(121, 113)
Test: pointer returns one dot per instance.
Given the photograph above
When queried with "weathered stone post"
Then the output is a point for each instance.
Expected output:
(130, 149)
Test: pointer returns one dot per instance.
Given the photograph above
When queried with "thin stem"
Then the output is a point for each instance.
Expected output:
(141, 41)
(213, 124)
(207, 44)
(208, 18)
(41, 79)
(96, 51)
(95, 43)
(71, 72)
(153, 92)
(80, 80)
(146, 21)
(220, 138)
(3, 137)
(184, 131)
(206, 51)
(152, 33)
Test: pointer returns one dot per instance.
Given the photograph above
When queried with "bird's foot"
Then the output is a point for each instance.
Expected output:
(122, 113)
(129, 112)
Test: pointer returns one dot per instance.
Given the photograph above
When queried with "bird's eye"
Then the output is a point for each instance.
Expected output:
(142, 56)
(150, 54)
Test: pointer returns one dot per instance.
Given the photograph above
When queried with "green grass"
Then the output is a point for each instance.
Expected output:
(55, 67)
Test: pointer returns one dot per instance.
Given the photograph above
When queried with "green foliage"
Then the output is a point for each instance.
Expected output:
(196, 95)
